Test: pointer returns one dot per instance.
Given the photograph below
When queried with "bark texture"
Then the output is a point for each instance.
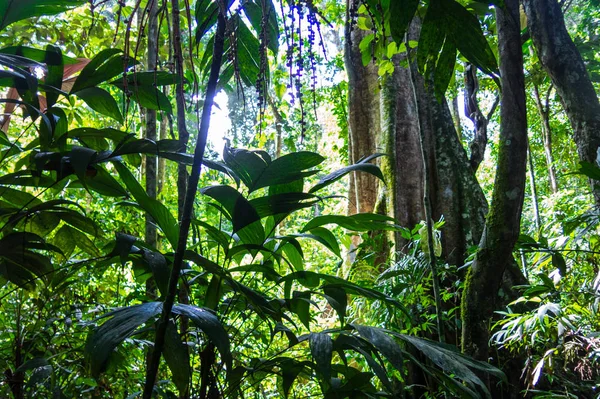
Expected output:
(455, 193)
(563, 63)
(503, 220)
(151, 130)
(363, 118)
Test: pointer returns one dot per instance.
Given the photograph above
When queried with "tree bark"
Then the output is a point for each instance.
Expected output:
(363, 116)
(503, 220)
(563, 63)
(151, 234)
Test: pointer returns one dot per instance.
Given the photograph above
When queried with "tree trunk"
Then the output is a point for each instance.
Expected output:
(563, 63)
(474, 113)
(363, 116)
(151, 119)
(544, 112)
(503, 220)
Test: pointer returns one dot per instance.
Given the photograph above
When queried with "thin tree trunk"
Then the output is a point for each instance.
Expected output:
(427, 177)
(161, 161)
(563, 63)
(503, 220)
(151, 234)
(534, 197)
(188, 207)
(544, 112)
(279, 122)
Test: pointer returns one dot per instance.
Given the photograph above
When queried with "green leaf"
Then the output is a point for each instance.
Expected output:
(401, 14)
(102, 182)
(247, 165)
(384, 344)
(101, 101)
(444, 69)
(282, 204)
(178, 358)
(589, 169)
(206, 16)
(287, 169)
(431, 39)
(321, 349)
(453, 362)
(35, 54)
(160, 269)
(466, 32)
(159, 212)
(325, 237)
(361, 166)
(104, 66)
(241, 212)
(17, 10)
(211, 326)
(54, 76)
(338, 299)
(357, 222)
(147, 95)
(559, 262)
(256, 12)
(121, 324)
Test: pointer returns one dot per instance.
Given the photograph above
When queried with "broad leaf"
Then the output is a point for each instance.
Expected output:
(122, 324)
(211, 326)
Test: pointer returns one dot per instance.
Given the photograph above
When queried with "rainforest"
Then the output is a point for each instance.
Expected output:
(222, 199)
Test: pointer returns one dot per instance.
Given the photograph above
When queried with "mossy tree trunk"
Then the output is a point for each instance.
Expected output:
(563, 63)
(503, 220)
(455, 193)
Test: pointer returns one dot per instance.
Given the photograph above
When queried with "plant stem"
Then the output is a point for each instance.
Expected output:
(427, 202)
(188, 203)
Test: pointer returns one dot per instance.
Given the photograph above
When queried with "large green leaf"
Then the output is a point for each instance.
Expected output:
(17, 10)
(211, 326)
(384, 344)
(54, 76)
(107, 64)
(357, 222)
(122, 324)
(361, 166)
(159, 212)
(258, 12)
(244, 217)
(100, 101)
(178, 358)
(401, 14)
(465, 30)
(321, 349)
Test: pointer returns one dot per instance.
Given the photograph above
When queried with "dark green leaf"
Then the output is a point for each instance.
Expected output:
(361, 166)
(401, 14)
(321, 349)
(101, 101)
(122, 324)
(17, 10)
(211, 326)
(178, 358)
(159, 212)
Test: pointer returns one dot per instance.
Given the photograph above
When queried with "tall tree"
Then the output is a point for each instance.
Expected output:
(563, 63)
(363, 115)
(503, 220)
